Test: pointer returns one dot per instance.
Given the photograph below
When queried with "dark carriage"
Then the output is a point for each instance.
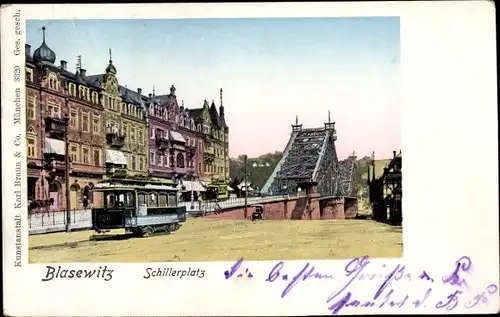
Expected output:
(258, 212)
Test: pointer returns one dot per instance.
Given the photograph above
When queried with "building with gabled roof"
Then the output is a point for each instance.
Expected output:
(114, 132)
(126, 151)
(215, 132)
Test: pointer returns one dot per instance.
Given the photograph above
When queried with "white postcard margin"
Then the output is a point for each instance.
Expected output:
(449, 129)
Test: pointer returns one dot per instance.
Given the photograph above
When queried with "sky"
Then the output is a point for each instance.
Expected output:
(271, 70)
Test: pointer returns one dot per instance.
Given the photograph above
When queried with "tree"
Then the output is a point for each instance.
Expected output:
(259, 169)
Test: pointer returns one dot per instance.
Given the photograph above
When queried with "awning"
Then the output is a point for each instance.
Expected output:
(193, 186)
(53, 146)
(242, 187)
(229, 188)
(176, 136)
(244, 184)
(115, 157)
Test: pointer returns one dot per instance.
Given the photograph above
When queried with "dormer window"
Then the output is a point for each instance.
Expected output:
(29, 74)
(53, 82)
(81, 92)
(95, 97)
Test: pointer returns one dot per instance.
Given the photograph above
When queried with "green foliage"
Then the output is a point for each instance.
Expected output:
(362, 185)
(259, 169)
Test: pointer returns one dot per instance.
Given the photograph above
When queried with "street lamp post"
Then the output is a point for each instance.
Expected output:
(246, 187)
(66, 171)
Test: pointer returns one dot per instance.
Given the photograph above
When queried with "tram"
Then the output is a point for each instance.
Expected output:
(216, 191)
(140, 209)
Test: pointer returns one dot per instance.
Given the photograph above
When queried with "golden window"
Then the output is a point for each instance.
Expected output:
(134, 162)
(31, 146)
(97, 157)
(96, 124)
(74, 153)
(86, 156)
(53, 110)
(29, 74)
(141, 163)
(73, 118)
(125, 131)
(132, 134)
(31, 108)
(140, 136)
(85, 122)
(53, 82)
(72, 89)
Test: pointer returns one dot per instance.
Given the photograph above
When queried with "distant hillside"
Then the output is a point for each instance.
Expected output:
(258, 169)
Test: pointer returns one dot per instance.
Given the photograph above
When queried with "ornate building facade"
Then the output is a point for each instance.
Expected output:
(54, 94)
(113, 132)
(172, 152)
(125, 127)
(214, 144)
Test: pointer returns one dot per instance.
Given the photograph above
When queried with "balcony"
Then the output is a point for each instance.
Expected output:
(209, 150)
(55, 127)
(208, 158)
(162, 143)
(114, 139)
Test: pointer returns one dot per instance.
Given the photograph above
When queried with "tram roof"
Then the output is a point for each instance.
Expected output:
(117, 186)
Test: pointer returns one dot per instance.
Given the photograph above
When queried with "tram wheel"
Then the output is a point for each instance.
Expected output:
(167, 228)
(136, 232)
(147, 231)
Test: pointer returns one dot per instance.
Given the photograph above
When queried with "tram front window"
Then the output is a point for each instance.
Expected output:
(119, 200)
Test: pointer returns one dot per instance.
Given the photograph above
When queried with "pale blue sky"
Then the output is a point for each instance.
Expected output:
(270, 70)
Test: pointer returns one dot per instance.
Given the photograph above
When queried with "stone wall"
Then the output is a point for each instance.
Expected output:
(302, 208)
(276, 210)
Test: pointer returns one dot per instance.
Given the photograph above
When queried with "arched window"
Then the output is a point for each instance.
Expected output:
(180, 160)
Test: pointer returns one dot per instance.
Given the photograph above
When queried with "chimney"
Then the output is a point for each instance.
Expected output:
(27, 48)
(139, 91)
(394, 154)
(63, 64)
(83, 72)
(150, 95)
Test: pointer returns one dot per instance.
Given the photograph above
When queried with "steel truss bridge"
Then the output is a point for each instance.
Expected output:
(310, 157)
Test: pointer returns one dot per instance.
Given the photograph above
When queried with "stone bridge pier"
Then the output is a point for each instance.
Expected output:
(338, 208)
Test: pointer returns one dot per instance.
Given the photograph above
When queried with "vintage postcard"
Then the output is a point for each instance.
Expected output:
(246, 159)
